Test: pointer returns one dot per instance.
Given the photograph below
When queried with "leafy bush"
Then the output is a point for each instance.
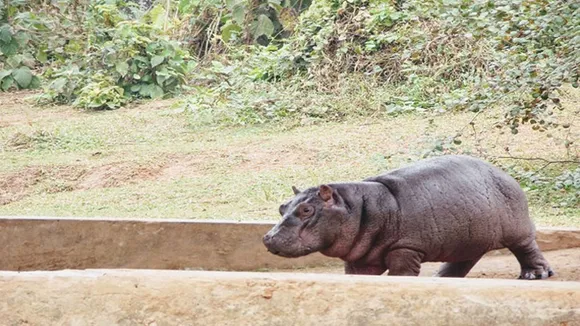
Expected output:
(562, 188)
(15, 62)
(134, 63)
(100, 92)
(147, 66)
(432, 55)
(568, 184)
(100, 54)
(446, 55)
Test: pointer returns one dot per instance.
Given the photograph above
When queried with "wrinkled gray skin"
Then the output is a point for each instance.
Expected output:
(450, 209)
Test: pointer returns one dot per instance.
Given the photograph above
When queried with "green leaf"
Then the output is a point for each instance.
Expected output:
(14, 61)
(6, 83)
(140, 58)
(228, 30)
(185, 5)
(23, 76)
(122, 68)
(150, 90)
(263, 26)
(145, 90)
(162, 75)
(4, 73)
(156, 92)
(41, 54)
(58, 84)
(5, 35)
(239, 13)
(231, 4)
(157, 15)
(157, 60)
(10, 48)
(35, 83)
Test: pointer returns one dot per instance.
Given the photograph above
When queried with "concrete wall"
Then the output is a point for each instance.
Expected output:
(67, 243)
(145, 297)
(78, 243)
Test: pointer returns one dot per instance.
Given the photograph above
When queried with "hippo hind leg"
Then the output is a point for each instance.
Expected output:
(456, 269)
(534, 265)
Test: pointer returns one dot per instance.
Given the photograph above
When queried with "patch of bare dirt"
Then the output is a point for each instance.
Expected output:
(117, 174)
(259, 156)
(190, 166)
(152, 105)
(18, 110)
(53, 179)
(15, 99)
(254, 157)
(15, 186)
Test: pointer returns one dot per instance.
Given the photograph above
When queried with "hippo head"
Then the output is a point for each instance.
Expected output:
(311, 221)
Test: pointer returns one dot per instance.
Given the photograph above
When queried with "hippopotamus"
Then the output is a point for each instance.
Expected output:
(451, 209)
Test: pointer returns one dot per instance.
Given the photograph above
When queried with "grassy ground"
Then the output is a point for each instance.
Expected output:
(152, 160)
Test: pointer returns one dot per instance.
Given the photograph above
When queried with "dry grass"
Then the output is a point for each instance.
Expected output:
(149, 161)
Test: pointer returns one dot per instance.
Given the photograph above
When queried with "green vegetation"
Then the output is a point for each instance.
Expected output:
(252, 96)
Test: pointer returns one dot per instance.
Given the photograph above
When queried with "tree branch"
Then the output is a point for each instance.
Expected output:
(538, 159)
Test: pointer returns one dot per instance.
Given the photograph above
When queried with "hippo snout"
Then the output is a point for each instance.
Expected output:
(281, 242)
(267, 240)
(269, 243)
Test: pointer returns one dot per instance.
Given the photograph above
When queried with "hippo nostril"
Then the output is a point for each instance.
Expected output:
(267, 239)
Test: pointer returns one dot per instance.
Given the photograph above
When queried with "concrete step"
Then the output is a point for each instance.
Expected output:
(159, 297)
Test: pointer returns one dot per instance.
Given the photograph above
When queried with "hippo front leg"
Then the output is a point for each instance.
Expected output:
(456, 269)
(363, 269)
(404, 262)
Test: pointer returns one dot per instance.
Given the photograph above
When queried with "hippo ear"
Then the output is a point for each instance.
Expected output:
(296, 191)
(325, 192)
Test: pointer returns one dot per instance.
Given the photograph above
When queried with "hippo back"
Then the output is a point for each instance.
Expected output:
(455, 206)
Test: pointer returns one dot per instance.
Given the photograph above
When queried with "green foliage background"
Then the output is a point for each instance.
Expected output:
(446, 55)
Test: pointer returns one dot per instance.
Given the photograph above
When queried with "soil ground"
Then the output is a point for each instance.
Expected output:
(566, 264)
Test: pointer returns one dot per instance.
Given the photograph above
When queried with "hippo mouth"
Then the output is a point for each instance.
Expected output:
(287, 244)
(294, 254)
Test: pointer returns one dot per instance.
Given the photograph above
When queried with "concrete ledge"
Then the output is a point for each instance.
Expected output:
(558, 238)
(148, 297)
(39, 243)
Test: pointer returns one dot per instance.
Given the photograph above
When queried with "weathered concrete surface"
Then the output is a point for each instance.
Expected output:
(558, 238)
(36, 243)
(148, 297)
(70, 243)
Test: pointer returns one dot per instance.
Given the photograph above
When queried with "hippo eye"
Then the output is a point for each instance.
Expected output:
(307, 211)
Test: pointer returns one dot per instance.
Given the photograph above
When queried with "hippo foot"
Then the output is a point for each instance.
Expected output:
(532, 263)
(536, 274)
